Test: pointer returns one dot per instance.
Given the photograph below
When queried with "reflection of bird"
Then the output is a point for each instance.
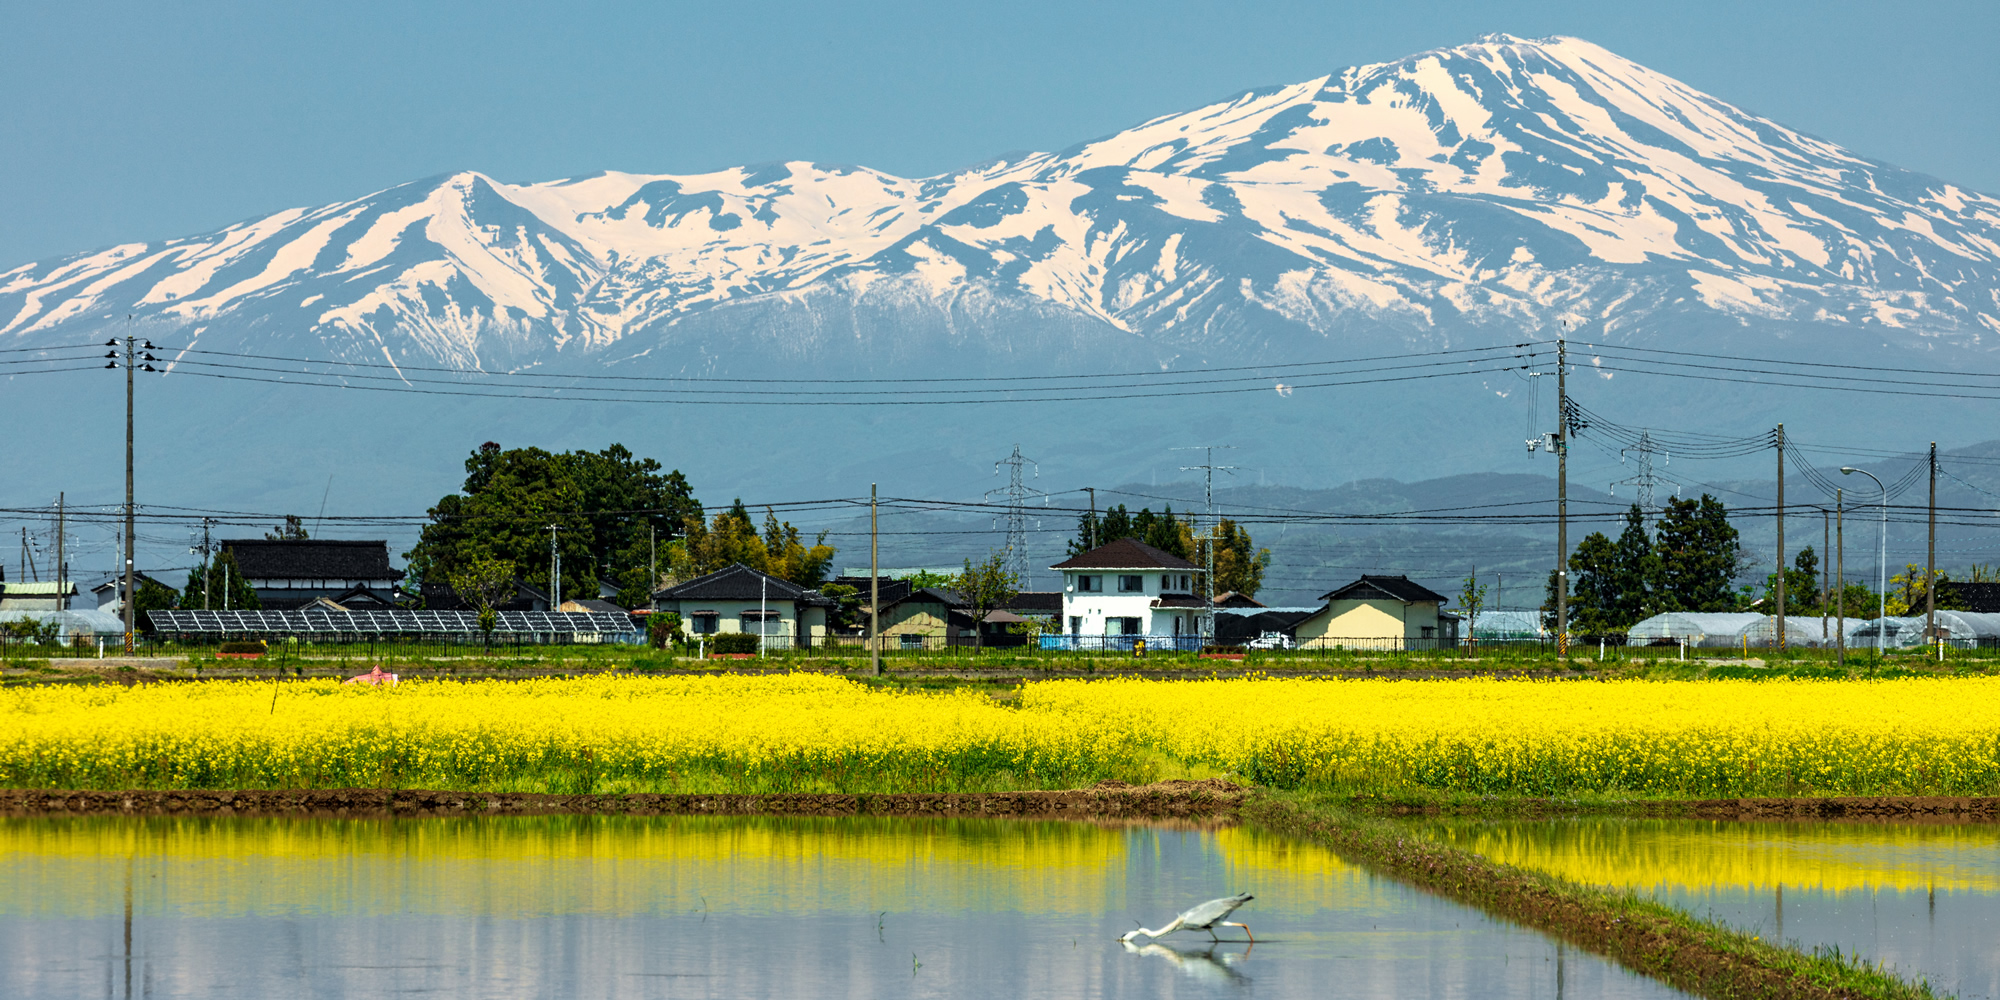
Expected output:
(1203, 964)
(1204, 917)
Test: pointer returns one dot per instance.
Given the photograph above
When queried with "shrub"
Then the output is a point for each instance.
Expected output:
(734, 642)
(663, 627)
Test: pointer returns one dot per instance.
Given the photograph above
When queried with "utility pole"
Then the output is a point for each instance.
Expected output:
(555, 571)
(1209, 468)
(207, 549)
(1840, 574)
(1930, 561)
(132, 363)
(874, 585)
(652, 560)
(1825, 567)
(62, 558)
(1781, 538)
(1090, 535)
(1562, 499)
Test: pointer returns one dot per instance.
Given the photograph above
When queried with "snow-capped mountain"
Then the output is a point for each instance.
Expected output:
(1469, 196)
(1495, 184)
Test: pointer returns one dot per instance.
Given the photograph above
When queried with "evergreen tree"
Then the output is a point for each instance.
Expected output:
(226, 587)
(731, 538)
(1802, 586)
(1593, 571)
(1635, 570)
(1698, 554)
(609, 508)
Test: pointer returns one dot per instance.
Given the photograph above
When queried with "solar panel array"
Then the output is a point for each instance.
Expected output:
(384, 622)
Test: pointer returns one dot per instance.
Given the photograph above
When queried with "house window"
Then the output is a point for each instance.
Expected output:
(1076, 624)
(1089, 584)
(1430, 631)
(702, 622)
(912, 640)
(1166, 583)
(1131, 584)
(1121, 626)
(760, 622)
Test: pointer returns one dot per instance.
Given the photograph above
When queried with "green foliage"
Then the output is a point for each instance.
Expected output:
(31, 630)
(482, 583)
(925, 578)
(1802, 585)
(733, 642)
(984, 587)
(847, 605)
(294, 529)
(1471, 601)
(1698, 554)
(731, 538)
(1239, 566)
(226, 587)
(663, 628)
(1688, 565)
(608, 507)
(1163, 531)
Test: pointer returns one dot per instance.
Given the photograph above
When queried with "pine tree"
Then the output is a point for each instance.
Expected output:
(1698, 554)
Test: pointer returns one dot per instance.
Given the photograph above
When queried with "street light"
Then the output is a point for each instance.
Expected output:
(1881, 559)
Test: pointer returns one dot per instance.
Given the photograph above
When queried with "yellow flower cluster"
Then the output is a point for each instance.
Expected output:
(800, 732)
(1669, 739)
(806, 732)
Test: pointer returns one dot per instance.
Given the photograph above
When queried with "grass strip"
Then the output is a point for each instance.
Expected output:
(1648, 937)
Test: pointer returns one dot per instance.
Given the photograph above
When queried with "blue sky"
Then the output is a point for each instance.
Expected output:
(141, 121)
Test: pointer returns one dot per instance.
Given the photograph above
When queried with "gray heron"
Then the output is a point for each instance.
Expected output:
(1201, 917)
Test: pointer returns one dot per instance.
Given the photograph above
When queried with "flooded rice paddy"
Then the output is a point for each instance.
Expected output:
(1922, 898)
(742, 907)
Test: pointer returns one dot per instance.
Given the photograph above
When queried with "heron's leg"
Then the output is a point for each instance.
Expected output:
(1246, 928)
(1211, 932)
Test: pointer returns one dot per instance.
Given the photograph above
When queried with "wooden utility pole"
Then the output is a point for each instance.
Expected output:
(874, 584)
(1780, 641)
(1825, 567)
(1562, 501)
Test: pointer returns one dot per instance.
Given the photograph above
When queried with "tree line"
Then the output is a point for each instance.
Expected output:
(1239, 564)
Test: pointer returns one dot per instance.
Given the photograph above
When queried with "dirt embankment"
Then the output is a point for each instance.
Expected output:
(1170, 800)
(1705, 959)
(1847, 809)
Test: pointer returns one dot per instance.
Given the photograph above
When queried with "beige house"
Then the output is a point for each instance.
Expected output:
(741, 599)
(1380, 611)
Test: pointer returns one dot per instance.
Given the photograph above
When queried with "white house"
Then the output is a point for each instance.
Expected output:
(737, 598)
(1129, 588)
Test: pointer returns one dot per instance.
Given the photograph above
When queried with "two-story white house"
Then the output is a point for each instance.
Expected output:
(1129, 588)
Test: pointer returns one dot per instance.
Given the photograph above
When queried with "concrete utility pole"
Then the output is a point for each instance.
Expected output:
(1090, 534)
(1209, 469)
(1840, 574)
(555, 571)
(1562, 499)
(132, 362)
(1930, 563)
(62, 558)
(874, 586)
(1780, 641)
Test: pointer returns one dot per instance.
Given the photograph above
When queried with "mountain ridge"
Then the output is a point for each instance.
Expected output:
(1503, 181)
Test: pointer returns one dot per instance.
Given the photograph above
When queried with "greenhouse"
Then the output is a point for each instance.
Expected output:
(1963, 629)
(70, 624)
(1508, 625)
(1695, 628)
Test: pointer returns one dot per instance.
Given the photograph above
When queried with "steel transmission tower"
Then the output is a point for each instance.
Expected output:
(1647, 480)
(1017, 494)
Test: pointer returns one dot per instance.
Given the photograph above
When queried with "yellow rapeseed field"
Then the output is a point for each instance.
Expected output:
(807, 732)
